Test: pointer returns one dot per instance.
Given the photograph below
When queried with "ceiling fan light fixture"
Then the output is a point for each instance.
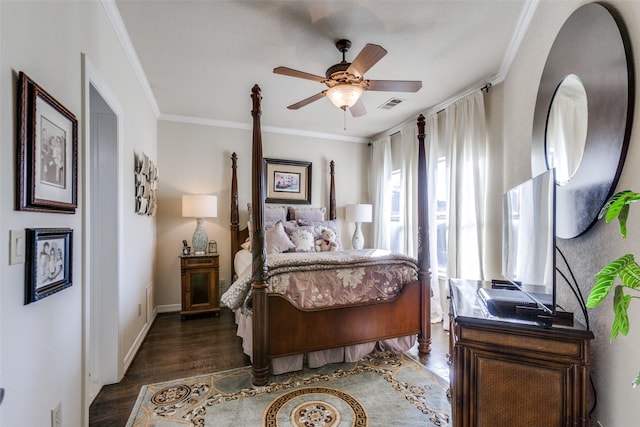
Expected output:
(344, 95)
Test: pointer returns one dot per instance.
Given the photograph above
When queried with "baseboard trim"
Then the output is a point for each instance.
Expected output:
(169, 308)
(137, 343)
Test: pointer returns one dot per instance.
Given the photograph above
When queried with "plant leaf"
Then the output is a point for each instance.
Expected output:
(630, 275)
(621, 319)
(636, 382)
(625, 267)
(600, 290)
(613, 206)
(622, 221)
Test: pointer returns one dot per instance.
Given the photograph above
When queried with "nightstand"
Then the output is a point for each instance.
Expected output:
(200, 279)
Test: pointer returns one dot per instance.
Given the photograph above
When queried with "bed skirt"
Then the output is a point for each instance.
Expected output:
(316, 359)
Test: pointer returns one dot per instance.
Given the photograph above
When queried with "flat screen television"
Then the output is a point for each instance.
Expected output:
(528, 248)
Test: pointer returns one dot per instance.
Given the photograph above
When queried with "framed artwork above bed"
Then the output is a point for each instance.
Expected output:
(288, 181)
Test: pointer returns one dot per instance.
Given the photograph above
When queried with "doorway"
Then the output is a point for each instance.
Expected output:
(102, 236)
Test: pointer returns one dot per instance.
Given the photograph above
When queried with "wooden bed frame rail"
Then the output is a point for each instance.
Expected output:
(279, 328)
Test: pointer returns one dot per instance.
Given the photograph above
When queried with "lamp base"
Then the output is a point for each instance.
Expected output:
(357, 241)
(200, 238)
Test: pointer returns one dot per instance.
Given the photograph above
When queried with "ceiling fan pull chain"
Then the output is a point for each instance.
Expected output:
(344, 110)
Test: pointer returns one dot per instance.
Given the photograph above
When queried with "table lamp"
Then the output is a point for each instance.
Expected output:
(199, 206)
(358, 213)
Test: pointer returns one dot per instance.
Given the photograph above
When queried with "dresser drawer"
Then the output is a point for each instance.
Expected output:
(199, 261)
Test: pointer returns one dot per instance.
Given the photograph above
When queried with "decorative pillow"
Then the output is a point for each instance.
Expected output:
(277, 239)
(272, 214)
(315, 227)
(247, 244)
(237, 292)
(303, 240)
(307, 213)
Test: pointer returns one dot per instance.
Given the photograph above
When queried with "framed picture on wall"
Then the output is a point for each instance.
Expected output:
(288, 181)
(47, 152)
(48, 262)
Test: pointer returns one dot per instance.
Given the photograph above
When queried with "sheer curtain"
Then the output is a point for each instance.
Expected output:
(409, 198)
(432, 151)
(466, 138)
(381, 192)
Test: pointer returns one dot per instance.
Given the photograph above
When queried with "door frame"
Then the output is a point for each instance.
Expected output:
(100, 321)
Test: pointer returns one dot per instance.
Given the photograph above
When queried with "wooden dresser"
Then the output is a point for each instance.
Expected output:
(200, 277)
(514, 372)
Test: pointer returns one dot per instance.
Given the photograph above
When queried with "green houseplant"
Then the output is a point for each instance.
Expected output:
(625, 267)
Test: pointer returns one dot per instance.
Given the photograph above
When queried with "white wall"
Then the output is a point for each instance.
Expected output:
(614, 365)
(41, 358)
(195, 158)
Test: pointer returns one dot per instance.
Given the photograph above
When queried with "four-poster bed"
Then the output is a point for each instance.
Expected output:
(282, 328)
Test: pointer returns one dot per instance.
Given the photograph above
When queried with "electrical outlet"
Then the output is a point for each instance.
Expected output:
(56, 416)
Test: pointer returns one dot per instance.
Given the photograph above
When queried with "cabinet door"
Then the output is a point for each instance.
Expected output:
(514, 391)
(200, 290)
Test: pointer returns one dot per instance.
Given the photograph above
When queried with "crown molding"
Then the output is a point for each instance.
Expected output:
(121, 32)
(249, 126)
(526, 15)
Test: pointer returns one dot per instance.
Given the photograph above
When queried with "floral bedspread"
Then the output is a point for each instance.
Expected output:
(321, 279)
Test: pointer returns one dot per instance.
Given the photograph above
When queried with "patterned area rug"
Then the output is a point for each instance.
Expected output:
(383, 389)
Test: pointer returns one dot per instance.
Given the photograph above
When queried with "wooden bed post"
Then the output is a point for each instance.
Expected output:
(332, 191)
(235, 216)
(260, 362)
(424, 273)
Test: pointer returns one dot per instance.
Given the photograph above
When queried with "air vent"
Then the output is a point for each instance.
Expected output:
(393, 102)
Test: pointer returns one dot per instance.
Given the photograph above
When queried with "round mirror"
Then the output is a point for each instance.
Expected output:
(592, 45)
(566, 133)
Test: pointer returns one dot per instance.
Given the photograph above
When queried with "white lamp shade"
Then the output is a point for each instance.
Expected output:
(199, 206)
(344, 95)
(359, 213)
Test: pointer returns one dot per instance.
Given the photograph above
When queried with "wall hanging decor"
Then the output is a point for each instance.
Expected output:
(47, 152)
(48, 262)
(288, 181)
(146, 174)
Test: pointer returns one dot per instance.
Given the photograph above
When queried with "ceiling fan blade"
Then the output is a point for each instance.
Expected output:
(367, 58)
(285, 71)
(395, 85)
(307, 101)
(357, 109)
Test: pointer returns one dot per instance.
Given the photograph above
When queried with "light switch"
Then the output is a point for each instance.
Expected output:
(16, 252)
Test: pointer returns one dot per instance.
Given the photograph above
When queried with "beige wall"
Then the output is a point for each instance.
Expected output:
(196, 158)
(614, 365)
(41, 344)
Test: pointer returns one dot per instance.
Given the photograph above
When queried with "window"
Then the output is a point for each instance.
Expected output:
(396, 222)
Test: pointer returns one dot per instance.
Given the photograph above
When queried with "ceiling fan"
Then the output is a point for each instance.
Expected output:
(346, 82)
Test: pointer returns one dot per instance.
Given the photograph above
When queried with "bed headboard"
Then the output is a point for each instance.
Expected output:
(239, 235)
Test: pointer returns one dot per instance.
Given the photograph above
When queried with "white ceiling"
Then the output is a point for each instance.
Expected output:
(201, 58)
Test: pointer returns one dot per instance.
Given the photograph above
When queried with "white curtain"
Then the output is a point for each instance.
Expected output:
(409, 196)
(466, 138)
(381, 192)
(432, 151)
(409, 190)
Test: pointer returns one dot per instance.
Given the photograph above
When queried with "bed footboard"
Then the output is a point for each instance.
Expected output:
(293, 330)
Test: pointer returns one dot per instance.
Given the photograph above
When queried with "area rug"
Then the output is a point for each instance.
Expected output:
(383, 389)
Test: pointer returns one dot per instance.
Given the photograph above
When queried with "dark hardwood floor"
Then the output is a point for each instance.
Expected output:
(176, 348)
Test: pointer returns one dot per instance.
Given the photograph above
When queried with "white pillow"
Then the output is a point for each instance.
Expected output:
(303, 240)
(307, 213)
(277, 240)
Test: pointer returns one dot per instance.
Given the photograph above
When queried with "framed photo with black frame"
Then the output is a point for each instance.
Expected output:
(47, 152)
(288, 181)
(49, 255)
